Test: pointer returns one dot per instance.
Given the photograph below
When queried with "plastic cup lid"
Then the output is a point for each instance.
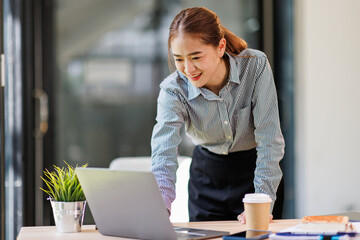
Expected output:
(257, 198)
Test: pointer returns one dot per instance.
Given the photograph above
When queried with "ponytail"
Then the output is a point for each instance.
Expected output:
(234, 44)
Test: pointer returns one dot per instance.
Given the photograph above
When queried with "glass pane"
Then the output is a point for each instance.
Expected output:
(12, 126)
(111, 57)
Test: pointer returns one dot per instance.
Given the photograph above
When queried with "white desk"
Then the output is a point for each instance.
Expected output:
(90, 233)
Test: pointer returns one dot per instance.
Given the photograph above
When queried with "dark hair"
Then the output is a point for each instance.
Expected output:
(206, 24)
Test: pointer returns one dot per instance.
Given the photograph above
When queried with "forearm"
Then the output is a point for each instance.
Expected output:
(164, 143)
(165, 176)
(267, 181)
(268, 173)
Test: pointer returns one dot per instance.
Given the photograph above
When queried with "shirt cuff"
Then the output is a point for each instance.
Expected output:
(167, 203)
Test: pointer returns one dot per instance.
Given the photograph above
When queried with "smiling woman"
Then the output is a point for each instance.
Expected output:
(224, 94)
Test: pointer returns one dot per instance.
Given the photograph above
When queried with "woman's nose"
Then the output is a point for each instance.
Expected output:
(189, 67)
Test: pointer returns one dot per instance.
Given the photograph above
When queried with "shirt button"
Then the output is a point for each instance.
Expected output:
(229, 137)
(226, 122)
(224, 152)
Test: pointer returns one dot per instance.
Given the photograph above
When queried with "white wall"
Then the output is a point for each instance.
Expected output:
(327, 93)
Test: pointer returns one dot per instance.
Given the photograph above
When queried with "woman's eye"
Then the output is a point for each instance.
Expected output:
(178, 60)
(196, 58)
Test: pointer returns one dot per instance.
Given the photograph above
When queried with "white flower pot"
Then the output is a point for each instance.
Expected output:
(68, 216)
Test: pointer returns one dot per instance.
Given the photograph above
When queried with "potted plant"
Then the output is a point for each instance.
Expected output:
(67, 198)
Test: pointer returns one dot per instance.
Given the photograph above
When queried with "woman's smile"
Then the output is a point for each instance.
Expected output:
(194, 77)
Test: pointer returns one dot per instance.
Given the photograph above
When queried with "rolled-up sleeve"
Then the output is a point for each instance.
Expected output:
(165, 141)
(268, 136)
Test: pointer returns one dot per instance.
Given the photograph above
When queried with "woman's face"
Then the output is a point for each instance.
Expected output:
(202, 64)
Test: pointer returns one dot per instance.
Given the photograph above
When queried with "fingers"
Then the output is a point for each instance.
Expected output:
(241, 218)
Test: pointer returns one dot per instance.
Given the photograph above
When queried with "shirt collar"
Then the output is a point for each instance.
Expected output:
(234, 71)
(193, 91)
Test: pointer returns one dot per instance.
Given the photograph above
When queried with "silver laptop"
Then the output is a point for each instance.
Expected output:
(129, 204)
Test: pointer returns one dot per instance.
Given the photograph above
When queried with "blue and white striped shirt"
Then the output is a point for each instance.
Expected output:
(243, 116)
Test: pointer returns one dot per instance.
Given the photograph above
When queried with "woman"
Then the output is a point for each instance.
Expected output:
(225, 95)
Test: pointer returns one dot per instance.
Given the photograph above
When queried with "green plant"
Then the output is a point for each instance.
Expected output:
(63, 184)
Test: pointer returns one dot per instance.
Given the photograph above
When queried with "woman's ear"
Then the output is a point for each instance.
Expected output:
(222, 47)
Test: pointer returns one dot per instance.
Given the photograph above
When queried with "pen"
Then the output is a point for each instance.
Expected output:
(335, 236)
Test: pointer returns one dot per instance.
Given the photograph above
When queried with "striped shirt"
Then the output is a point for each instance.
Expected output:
(243, 116)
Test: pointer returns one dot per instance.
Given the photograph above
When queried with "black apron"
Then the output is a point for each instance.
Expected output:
(218, 184)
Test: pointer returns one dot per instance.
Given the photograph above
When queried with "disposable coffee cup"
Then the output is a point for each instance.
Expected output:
(257, 210)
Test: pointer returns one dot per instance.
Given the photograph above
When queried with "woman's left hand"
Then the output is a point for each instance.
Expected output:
(242, 218)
